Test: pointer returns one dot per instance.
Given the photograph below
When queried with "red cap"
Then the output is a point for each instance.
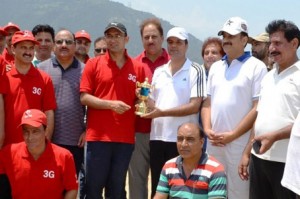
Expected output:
(3, 32)
(34, 117)
(83, 34)
(24, 35)
(11, 25)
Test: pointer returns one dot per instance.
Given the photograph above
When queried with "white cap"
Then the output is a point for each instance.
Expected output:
(178, 32)
(234, 26)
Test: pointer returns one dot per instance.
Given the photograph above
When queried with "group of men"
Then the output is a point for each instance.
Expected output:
(240, 105)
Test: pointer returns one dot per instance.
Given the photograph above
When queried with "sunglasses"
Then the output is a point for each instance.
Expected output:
(61, 41)
(99, 50)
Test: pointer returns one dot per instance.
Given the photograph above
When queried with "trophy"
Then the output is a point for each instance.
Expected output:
(143, 96)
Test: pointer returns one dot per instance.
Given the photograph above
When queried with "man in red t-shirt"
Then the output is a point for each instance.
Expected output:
(7, 53)
(3, 35)
(36, 168)
(26, 87)
(152, 56)
(83, 44)
(2, 73)
(108, 89)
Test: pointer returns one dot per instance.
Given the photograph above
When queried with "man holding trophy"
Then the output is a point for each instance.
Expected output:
(108, 89)
(179, 88)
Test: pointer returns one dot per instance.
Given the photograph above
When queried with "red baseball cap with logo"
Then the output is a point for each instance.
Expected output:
(83, 34)
(34, 117)
(11, 25)
(24, 35)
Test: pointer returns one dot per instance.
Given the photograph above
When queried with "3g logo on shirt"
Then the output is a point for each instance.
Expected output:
(36, 91)
(48, 174)
(132, 77)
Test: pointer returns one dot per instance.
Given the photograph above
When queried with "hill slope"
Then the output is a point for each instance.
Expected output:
(91, 15)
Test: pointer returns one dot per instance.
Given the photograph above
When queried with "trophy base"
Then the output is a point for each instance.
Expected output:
(139, 113)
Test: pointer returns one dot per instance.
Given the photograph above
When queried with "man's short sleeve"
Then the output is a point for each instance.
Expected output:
(163, 184)
(87, 82)
(69, 175)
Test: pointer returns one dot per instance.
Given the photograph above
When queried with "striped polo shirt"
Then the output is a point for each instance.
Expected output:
(208, 180)
(69, 115)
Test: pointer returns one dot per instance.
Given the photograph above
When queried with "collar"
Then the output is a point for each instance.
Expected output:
(296, 64)
(164, 55)
(242, 58)
(57, 64)
(186, 65)
(26, 154)
(108, 57)
(32, 71)
(202, 161)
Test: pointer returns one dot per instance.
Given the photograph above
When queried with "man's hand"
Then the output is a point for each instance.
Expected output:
(81, 140)
(8, 67)
(154, 113)
(119, 107)
(266, 140)
(214, 138)
(226, 137)
(243, 166)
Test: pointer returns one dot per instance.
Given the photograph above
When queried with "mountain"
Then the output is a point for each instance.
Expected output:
(91, 15)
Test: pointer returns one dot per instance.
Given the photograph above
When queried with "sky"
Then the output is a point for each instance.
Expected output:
(204, 18)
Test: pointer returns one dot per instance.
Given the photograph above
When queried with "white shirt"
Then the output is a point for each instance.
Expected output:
(291, 176)
(173, 91)
(233, 89)
(278, 107)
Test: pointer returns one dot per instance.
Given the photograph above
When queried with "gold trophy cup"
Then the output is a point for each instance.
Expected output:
(143, 96)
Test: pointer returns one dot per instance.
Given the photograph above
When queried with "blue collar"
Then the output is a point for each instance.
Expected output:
(242, 58)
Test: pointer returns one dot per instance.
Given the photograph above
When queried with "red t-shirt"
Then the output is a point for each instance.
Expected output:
(87, 57)
(8, 58)
(21, 92)
(143, 125)
(2, 66)
(45, 178)
(103, 79)
(2, 73)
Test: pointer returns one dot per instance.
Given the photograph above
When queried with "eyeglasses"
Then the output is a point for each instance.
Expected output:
(61, 41)
(99, 50)
(117, 36)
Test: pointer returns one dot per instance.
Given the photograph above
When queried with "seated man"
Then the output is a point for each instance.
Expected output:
(193, 174)
(36, 168)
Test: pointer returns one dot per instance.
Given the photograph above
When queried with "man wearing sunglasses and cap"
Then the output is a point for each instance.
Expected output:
(36, 168)
(26, 87)
(108, 87)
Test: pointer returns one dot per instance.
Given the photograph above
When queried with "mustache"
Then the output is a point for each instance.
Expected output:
(274, 53)
(227, 43)
(26, 54)
(64, 48)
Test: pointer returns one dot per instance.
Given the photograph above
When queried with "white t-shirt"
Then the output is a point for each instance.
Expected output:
(278, 107)
(173, 91)
(232, 90)
(291, 176)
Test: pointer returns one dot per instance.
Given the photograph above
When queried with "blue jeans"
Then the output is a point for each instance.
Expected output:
(107, 162)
